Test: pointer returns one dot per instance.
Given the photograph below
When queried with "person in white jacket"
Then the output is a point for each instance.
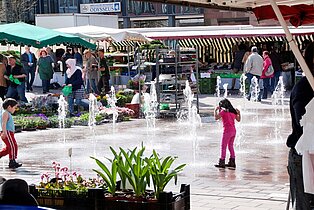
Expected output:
(253, 67)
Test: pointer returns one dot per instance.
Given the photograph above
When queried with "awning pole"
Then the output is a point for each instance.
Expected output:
(292, 44)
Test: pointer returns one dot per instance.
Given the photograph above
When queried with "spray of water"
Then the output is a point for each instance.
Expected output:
(112, 100)
(218, 83)
(255, 89)
(151, 106)
(93, 111)
(226, 90)
(242, 85)
(189, 114)
(62, 112)
(279, 92)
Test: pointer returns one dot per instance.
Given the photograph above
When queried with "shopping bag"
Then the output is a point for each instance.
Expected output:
(67, 90)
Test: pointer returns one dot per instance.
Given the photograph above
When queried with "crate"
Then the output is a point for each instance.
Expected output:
(207, 85)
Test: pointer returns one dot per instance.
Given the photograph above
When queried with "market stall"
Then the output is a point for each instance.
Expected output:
(25, 34)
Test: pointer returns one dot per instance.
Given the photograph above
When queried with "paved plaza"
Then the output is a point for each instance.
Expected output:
(259, 181)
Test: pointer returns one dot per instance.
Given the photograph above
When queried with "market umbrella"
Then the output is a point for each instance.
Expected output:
(296, 14)
(25, 34)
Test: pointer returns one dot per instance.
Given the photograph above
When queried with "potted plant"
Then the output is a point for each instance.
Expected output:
(136, 169)
(66, 190)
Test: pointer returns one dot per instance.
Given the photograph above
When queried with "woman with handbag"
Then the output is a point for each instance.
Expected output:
(267, 74)
(74, 79)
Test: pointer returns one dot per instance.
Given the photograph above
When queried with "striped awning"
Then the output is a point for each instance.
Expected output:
(220, 49)
(125, 45)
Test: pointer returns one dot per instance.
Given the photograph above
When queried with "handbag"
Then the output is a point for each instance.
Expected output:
(270, 71)
(67, 90)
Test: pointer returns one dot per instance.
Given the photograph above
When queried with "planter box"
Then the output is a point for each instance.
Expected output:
(95, 199)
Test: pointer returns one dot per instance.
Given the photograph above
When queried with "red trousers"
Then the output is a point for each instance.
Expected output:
(10, 146)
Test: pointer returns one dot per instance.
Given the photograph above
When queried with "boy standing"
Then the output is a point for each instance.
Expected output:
(7, 132)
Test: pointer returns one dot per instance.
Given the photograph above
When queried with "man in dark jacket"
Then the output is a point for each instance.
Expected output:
(103, 83)
(16, 75)
(28, 61)
(302, 93)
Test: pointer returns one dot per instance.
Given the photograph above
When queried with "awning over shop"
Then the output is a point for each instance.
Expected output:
(98, 33)
(241, 31)
(26, 34)
(219, 40)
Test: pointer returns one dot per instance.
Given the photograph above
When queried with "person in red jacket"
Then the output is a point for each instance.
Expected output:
(266, 78)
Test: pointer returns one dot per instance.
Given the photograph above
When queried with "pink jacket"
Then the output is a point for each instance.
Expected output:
(266, 64)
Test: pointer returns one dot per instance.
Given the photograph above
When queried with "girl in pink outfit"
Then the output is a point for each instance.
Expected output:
(228, 114)
(266, 79)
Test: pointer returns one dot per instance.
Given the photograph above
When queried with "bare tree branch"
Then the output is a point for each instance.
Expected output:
(15, 10)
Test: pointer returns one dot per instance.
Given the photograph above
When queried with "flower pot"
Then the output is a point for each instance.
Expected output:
(135, 108)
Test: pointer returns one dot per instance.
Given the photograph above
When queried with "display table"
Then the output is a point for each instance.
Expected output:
(57, 77)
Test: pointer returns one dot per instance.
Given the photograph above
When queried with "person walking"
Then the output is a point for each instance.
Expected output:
(7, 132)
(228, 114)
(45, 70)
(103, 83)
(16, 77)
(78, 57)
(75, 80)
(91, 72)
(266, 78)
(28, 61)
(253, 67)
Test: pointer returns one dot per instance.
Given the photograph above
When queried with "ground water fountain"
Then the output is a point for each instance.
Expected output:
(151, 106)
(226, 90)
(189, 114)
(112, 100)
(189, 117)
(254, 89)
(278, 94)
(62, 112)
(93, 111)
(243, 85)
(218, 83)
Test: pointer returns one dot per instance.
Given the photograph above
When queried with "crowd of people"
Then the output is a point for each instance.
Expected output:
(257, 63)
(17, 79)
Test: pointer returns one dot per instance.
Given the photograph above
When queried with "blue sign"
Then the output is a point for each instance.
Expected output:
(101, 8)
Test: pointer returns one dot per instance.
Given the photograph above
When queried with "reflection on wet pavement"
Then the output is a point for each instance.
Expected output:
(261, 153)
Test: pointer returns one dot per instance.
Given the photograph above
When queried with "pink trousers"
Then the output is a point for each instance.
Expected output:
(227, 141)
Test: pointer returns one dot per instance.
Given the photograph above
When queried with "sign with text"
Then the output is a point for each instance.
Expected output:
(101, 8)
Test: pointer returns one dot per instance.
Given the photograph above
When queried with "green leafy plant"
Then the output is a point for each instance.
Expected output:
(54, 122)
(160, 171)
(64, 180)
(110, 177)
(123, 166)
(138, 176)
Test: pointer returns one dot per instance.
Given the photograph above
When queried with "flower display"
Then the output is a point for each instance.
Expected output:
(63, 180)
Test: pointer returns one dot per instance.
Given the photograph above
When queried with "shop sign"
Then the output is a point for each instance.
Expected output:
(101, 8)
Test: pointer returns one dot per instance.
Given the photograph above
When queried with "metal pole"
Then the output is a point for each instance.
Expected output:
(293, 45)
(197, 80)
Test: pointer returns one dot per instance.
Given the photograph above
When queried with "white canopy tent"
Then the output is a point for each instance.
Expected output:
(220, 31)
(98, 33)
